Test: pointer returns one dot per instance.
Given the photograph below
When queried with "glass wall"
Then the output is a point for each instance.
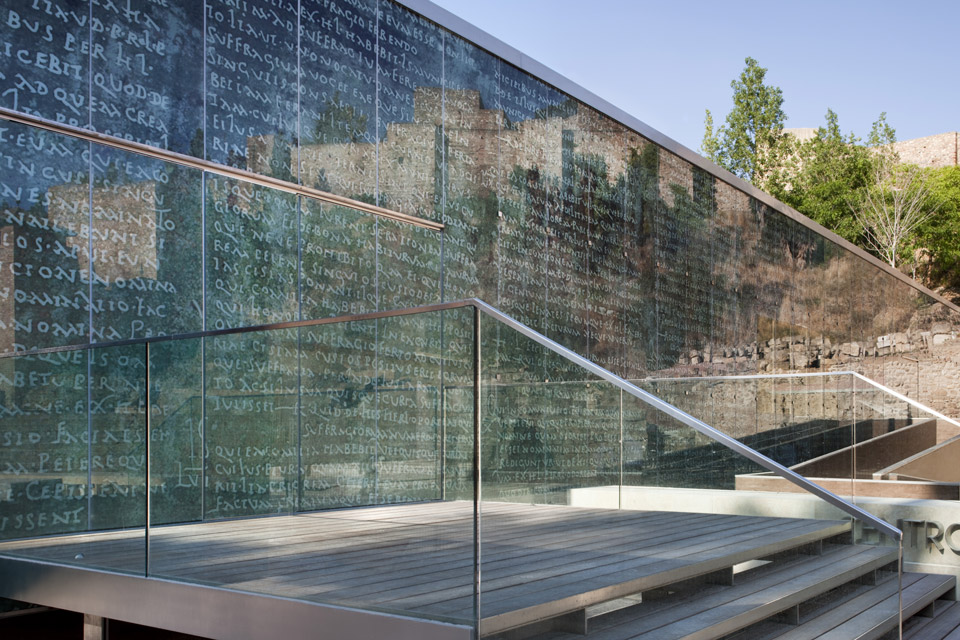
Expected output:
(557, 214)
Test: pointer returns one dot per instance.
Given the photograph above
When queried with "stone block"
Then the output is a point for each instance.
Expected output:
(851, 349)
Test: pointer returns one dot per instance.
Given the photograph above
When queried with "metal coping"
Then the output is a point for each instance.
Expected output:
(458, 26)
(212, 167)
(617, 381)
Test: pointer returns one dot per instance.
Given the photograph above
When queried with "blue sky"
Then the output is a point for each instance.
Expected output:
(666, 61)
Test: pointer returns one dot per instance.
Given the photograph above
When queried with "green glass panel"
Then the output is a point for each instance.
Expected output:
(251, 424)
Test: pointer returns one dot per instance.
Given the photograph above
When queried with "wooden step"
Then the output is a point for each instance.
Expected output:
(726, 610)
(553, 596)
(945, 619)
(874, 613)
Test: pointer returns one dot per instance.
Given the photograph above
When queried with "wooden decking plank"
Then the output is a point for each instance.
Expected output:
(397, 557)
(824, 622)
(413, 570)
(953, 635)
(677, 604)
(351, 547)
(715, 551)
(640, 619)
(255, 539)
(506, 614)
(346, 536)
(875, 600)
(945, 620)
(115, 546)
(513, 571)
(873, 622)
(632, 576)
(562, 542)
(635, 551)
(718, 618)
(464, 564)
(460, 553)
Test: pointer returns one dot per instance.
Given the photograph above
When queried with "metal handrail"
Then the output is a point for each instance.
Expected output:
(564, 352)
(822, 374)
(212, 167)
(690, 421)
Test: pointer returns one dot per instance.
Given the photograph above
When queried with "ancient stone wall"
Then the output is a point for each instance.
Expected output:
(931, 151)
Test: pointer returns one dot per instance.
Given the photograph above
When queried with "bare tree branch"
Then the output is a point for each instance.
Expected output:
(899, 201)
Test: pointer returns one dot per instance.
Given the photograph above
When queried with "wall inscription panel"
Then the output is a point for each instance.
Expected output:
(563, 218)
(252, 86)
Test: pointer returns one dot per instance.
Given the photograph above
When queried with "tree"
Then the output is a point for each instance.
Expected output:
(939, 236)
(882, 134)
(749, 143)
(823, 176)
(710, 147)
(898, 201)
(894, 208)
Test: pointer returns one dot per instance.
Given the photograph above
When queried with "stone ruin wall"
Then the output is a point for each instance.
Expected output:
(922, 365)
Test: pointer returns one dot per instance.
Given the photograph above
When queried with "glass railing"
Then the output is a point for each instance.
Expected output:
(842, 429)
(444, 462)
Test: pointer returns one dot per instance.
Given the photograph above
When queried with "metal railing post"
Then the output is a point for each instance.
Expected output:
(476, 464)
(146, 462)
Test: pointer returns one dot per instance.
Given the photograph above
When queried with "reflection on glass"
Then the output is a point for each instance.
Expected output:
(523, 180)
(147, 83)
(45, 458)
(338, 415)
(457, 404)
(409, 367)
(728, 353)
(542, 437)
(48, 73)
(471, 125)
(638, 263)
(146, 247)
(602, 149)
(252, 254)
(338, 116)
(410, 114)
(73, 456)
(337, 260)
(408, 265)
(44, 231)
(681, 219)
(118, 437)
(252, 87)
(251, 424)
(176, 432)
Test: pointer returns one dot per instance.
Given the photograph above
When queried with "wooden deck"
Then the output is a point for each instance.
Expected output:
(537, 561)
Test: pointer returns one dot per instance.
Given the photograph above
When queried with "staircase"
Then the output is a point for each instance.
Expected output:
(826, 588)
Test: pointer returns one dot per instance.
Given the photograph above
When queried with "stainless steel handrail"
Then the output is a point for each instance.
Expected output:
(212, 167)
(690, 421)
(821, 374)
(612, 378)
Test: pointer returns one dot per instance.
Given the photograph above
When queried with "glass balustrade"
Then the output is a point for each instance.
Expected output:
(444, 462)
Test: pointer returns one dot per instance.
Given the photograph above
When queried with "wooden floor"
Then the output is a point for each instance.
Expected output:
(537, 561)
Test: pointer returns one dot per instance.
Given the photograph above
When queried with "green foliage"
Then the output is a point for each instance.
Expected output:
(939, 237)
(710, 147)
(824, 176)
(852, 188)
(895, 206)
(881, 133)
(749, 143)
